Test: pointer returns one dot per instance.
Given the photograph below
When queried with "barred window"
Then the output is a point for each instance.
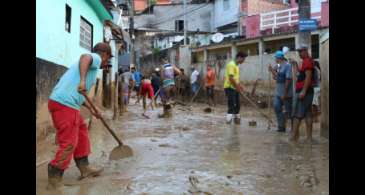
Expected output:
(86, 34)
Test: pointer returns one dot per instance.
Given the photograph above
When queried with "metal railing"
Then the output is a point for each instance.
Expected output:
(287, 17)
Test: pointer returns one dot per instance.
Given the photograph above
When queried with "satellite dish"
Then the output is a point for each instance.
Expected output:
(217, 37)
(179, 38)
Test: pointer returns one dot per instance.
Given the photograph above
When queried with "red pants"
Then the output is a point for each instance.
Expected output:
(147, 88)
(72, 135)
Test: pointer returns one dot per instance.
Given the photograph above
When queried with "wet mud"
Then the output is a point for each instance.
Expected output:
(195, 152)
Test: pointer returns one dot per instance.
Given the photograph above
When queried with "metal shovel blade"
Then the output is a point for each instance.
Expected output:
(120, 152)
(208, 110)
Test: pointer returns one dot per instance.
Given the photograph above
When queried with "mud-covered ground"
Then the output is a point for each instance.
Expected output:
(197, 153)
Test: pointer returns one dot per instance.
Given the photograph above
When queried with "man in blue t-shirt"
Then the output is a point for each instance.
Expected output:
(64, 105)
(282, 73)
(137, 77)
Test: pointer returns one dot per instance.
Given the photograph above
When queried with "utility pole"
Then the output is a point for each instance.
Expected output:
(184, 22)
(131, 30)
(304, 12)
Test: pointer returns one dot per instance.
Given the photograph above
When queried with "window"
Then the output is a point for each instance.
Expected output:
(179, 25)
(225, 4)
(68, 19)
(287, 2)
(86, 34)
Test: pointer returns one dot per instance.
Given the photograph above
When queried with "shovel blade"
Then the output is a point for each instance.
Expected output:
(120, 152)
(208, 110)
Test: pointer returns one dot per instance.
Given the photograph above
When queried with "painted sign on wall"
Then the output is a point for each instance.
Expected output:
(308, 25)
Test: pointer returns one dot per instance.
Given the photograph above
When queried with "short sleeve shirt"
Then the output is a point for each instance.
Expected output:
(126, 77)
(210, 78)
(307, 64)
(231, 69)
(284, 73)
(65, 92)
(194, 76)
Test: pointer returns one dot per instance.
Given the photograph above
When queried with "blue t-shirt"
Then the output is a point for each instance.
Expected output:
(137, 77)
(66, 93)
(284, 73)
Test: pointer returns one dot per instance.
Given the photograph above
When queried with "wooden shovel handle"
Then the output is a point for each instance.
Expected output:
(102, 120)
(257, 108)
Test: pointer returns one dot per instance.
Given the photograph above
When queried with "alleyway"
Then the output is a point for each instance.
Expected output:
(218, 158)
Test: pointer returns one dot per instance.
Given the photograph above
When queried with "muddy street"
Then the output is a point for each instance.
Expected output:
(196, 153)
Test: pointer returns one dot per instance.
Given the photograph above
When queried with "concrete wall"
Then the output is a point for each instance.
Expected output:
(324, 63)
(184, 57)
(198, 19)
(47, 75)
(223, 16)
(53, 42)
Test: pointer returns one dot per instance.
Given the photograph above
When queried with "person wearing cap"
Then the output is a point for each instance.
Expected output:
(303, 97)
(209, 84)
(233, 88)
(64, 105)
(284, 90)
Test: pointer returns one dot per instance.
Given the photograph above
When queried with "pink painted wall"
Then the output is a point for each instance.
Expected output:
(252, 26)
(325, 14)
(293, 4)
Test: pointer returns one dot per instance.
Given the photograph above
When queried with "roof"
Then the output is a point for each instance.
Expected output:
(100, 7)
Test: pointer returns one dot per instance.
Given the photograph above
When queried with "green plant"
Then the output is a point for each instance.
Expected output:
(156, 50)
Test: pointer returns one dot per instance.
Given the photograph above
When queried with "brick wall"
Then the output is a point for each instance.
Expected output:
(140, 5)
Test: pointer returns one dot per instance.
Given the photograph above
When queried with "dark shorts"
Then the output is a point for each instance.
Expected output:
(302, 108)
(210, 91)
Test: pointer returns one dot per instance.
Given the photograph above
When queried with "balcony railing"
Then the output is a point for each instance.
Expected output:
(287, 17)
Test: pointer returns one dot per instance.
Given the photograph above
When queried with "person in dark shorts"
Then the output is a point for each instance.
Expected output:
(303, 97)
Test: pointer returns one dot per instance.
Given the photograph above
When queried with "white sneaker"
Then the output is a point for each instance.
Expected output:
(229, 118)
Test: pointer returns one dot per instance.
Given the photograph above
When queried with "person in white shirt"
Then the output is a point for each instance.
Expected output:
(194, 78)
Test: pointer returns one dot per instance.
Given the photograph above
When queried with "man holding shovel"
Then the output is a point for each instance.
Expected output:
(168, 72)
(146, 90)
(232, 87)
(284, 90)
(209, 85)
(64, 106)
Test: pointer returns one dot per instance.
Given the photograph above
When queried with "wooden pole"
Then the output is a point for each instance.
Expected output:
(115, 96)
(94, 98)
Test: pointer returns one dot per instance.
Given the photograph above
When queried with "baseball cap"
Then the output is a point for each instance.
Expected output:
(302, 47)
(279, 54)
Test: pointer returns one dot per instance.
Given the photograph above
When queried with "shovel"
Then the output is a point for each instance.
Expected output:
(257, 108)
(119, 152)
